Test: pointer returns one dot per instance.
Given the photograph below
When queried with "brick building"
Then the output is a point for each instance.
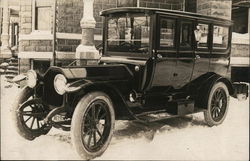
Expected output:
(36, 36)
(36, 20)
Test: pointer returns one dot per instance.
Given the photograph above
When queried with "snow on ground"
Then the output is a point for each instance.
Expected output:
(185, 138)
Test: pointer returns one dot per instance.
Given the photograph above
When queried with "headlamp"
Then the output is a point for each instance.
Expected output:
(31, 78)
(60, 83)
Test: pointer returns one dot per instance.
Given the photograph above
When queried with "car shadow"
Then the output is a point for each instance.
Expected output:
(135, 129)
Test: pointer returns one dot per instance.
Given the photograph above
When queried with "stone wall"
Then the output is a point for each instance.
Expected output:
(69, 14)
(165, 4)
(217, 8)
(191, 6)
(25, 15)
(240, 50)
(36, 45)
(67, 45)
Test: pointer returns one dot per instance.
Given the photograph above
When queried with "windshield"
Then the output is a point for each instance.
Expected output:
(128, 34)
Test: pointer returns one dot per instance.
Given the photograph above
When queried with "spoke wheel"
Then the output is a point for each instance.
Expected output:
(92, 125)
(96, 125)
(31, 114)
(27, 115)
(217, 104)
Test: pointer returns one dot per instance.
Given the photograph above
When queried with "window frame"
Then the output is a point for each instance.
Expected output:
(127, 54)
(188, 21)
(158, 37)
(35, 5)
(209, 36)
(212, 41)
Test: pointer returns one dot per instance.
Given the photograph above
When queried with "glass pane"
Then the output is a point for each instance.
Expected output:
(167, 33)
(201, 35)
(186, 35)
(128, 34)
(43, 18)
(220, 39)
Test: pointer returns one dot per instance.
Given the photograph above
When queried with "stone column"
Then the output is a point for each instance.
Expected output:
(86, 51)
(217, 8)
(5, 51)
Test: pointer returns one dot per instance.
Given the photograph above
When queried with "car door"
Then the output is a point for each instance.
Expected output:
(203, 49)
(185, 54)
(165, 53)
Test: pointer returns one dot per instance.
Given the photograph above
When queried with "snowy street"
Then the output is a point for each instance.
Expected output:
(185, 138)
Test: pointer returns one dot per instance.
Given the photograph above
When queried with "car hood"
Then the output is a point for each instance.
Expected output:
(95, 72)
(123, 60)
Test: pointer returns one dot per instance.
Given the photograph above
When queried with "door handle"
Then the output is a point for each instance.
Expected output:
(197, 57)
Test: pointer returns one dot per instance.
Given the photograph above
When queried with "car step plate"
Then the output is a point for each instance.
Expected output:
(155, 116)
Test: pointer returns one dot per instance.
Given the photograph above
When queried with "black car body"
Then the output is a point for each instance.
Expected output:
(155, 64)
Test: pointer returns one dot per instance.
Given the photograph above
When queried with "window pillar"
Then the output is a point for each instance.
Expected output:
(249, 20)
(86, 51)
(5, 51)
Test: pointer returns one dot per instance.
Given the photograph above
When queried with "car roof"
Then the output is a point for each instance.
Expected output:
(166, 12)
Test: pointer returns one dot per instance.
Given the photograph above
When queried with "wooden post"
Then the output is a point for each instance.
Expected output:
(54, 33)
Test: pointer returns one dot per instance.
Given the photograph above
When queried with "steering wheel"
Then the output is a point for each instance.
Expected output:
(128, 44)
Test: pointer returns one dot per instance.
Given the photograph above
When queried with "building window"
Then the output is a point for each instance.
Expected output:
(240, 19)
(167, 33)
(42, 15)
(43, 18)
(220, 37)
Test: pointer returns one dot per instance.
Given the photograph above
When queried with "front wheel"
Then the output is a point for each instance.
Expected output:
(28, 115)
(217, 104)
(92, 125)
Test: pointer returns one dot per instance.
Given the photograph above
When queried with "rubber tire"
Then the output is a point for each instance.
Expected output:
(23, 96)
(77, 119)
(207, 114)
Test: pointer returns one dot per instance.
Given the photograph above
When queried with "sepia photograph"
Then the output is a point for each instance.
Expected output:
(124, 79)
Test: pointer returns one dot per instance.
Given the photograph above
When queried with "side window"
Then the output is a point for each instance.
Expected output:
(186, 34)
(201, 35)
(220, 37)
(167, 33)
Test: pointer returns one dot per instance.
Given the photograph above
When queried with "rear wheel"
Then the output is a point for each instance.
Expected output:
(217, 104)
(92, 125)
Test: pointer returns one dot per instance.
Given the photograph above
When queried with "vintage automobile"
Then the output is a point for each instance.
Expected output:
(155, 64)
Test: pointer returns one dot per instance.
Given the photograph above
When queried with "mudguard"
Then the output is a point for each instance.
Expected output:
(204, 86)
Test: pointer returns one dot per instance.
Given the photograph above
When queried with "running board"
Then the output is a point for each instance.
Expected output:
(173, 109)
(154, 116)
(148, 117)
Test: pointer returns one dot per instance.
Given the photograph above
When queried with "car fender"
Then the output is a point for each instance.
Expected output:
(82, 87)
(205, 87)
